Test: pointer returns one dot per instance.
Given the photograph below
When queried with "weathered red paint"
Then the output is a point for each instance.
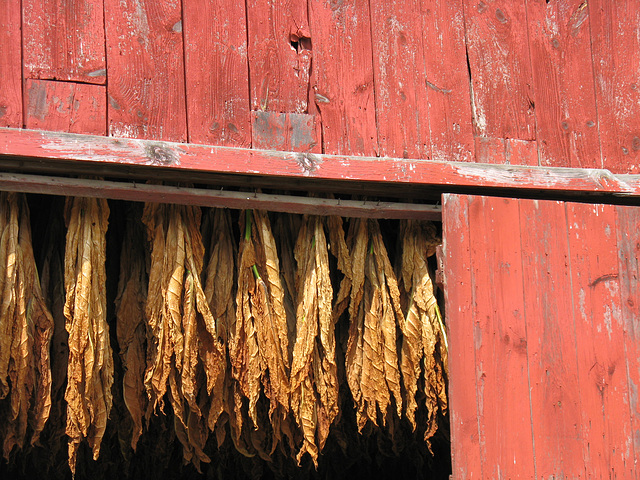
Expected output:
(291, 132)
(208, 158)
(64, 40)
(558, 272)
(217, 73)
(66, 106)
(145, 70)
(10, 66)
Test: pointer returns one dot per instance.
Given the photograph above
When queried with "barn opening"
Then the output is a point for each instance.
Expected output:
(355, 448)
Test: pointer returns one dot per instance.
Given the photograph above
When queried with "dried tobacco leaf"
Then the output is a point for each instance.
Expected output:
(258, 350)
(314, 377)
(90, 367)
(26, 327)
(131, 325)
(423, 331)
(374, 310)
(186, 360)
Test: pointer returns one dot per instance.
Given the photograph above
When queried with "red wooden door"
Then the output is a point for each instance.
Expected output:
(543, 308)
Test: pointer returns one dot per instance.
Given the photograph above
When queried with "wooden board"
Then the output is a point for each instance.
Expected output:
(629, 268)
(562, 278)
(498, 52)
(447, 80)
(50, 146)
(509, 151)
(64, 40)
(616, 61)
(463, 398)
(602, 376)
(551, 340)
(146, 97)
(217, 74)
(66, 106)
(343, 88)
(10, 65)
(292, 132)
(280, 55)
(502, 379)
(565, 109)
(399, 72)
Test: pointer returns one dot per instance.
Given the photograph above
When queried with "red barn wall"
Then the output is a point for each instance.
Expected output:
(536, 82)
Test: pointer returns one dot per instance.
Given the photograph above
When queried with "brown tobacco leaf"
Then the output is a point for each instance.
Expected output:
(374, 311)
(422, 330)
(131, 325)
(185, 358)
(258, 350)
(314, 377)
(90, 367)
(26, 327)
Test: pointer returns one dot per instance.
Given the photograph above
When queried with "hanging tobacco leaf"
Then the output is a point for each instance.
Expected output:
(258, 350)
(374, 310)
(90, 368)
(130, 314)
(424, 344)
(314, 378)
(26, 327)
(185, 358)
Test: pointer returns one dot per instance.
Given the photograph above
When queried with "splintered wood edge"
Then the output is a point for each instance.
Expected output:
(215, 198)
(32, 145)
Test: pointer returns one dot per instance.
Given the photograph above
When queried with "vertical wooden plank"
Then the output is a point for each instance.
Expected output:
(66, 107)
(463, 406)
(629, 268)
(498, 54)
(500, 339)
(616, 62)
(146, 70)
(560, 44)
(551, 341)
(10, 65)
(64, 40)
(280, 52)
(602, 375)
(399, 71)
(217, 72)
(343, 76)
(447, 79)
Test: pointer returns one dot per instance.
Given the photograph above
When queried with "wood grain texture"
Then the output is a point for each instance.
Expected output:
(506, 151)
(402, 108)
(343, 76)
(616, 61)
(66, 107)
(104, 151)
(64, 40)
(280, 54)
(463, 401)
(551, 340)
(602, 376)
(146, 72)
(10, 65)
(217, 72)
(566, 114)
(498, 52)
(629, 268)
(447, 79)
(502, 379)
(292, 132)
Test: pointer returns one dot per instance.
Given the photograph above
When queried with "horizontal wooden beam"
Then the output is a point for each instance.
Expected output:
(141, 192)
(40, 145)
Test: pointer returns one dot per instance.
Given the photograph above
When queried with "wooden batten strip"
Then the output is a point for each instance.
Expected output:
(107, 151)
(214, 198)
